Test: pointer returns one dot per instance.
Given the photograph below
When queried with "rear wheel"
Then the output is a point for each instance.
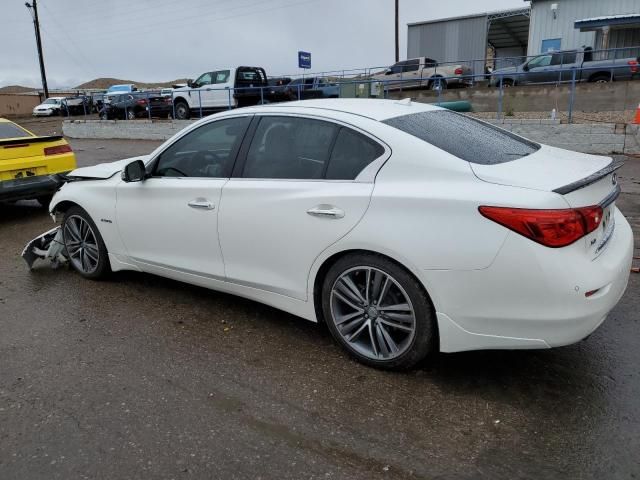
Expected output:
(84, 245)
(131, 115)
(438, 84)
(378, 312)
(601, 78)
(182, 110)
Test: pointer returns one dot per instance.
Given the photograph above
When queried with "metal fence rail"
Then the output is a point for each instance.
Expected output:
(355, 86)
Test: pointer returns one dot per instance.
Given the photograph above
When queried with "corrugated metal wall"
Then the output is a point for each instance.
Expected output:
(544, 26)
(450, 41)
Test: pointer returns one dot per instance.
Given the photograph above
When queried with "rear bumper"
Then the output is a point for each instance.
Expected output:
(532, 296)
(29, 187)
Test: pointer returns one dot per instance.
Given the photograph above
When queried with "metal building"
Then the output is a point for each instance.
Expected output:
(465, 39)
(569, 24)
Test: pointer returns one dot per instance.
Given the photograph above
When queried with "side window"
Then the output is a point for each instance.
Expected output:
(208, 151)
(289, 147)
(542, 61)
(351, 154)
(396, 68)
(569, 58)
(204, 79)
(411, 65)
(429, 63)
(221, 77)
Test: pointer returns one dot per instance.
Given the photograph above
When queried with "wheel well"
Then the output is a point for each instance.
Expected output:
(329, 262)
(180, 99)
(64, 206)
(601, 74)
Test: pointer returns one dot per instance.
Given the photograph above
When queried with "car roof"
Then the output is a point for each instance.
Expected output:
(365, 107)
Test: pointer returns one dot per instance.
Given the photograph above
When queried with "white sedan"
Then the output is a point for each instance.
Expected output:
(407, 228)
(51, 106)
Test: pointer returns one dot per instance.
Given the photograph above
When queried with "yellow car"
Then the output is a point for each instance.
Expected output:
(30, 165)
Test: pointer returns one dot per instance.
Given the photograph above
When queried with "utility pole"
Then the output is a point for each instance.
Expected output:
(33, 9)
(397, 30)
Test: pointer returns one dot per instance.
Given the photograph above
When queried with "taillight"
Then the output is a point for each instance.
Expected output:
(458, 71)
(57, 150)
(551, 228)
(142, 101)
(633, 64)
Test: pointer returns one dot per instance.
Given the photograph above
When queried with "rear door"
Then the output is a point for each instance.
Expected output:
(296, 191)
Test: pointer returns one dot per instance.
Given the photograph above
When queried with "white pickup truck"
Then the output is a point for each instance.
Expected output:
(424, 72)
(221, 89)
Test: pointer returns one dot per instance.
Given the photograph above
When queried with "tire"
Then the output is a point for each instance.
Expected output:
(131, 114)
(601, 78)
(507, 82)
(44, 200)
(413, 331)
(182, 110)
(438, 85)
(90, 262)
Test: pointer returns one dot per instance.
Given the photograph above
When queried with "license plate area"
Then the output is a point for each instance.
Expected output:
(599, 238)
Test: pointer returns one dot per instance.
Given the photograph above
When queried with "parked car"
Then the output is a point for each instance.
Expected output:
(424, 72)
(363, 210)
(278, 89)
(115, 90)
(30, 165)
(51, 106)
(312, 87)
(130, 106)
(556, 67)
(77, 105)
(221, 89)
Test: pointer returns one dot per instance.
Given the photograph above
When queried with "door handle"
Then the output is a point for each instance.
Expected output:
(326, 211)
(201, 203)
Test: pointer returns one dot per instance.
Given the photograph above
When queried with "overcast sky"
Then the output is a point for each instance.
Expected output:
(161, 40)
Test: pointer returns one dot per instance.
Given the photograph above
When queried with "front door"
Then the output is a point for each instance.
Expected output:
(169, 222)
(538, 70)
(295, 195)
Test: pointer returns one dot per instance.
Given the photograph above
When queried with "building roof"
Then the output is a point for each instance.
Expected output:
(609, 20)
(497, 14)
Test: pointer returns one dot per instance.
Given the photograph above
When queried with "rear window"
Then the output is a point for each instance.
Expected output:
(464, 137)
(9, 130)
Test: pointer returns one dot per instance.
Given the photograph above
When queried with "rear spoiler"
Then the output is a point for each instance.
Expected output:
(27, 140)
(588, 180)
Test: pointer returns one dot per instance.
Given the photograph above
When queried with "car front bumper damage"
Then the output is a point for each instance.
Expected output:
(47, 246)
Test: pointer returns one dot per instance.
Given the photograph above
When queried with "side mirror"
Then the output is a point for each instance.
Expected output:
(134, 172)
(388, 71)
(191, 84)
(525, 68)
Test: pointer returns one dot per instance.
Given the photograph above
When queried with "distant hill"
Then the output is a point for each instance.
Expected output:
(104, 83)
(17, 89)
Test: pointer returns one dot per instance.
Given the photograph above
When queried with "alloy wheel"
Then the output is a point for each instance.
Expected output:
(372, 313)
(81, 244)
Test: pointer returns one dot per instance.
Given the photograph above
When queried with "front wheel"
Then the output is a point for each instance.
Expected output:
(83, 243)
(182, 111)
(438, 84)
(378, 312)
(601, 79)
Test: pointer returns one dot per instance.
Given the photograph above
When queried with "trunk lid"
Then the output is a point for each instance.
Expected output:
(583, 180)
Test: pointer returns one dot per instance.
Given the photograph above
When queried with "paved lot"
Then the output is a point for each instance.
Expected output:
(141, 377)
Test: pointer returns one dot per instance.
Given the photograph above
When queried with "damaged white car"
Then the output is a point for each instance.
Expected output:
(409, 229)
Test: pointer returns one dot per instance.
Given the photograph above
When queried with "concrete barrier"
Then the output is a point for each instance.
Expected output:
(598, 138)
(124, 129)
(589, 97)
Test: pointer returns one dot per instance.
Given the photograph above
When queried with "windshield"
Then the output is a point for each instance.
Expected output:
(464, 137)
(51, 101)
(10, 130)
(119, 88)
